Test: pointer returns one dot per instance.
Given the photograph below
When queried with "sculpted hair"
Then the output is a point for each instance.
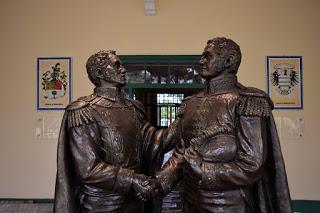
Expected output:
(228, 47)
(97, 61)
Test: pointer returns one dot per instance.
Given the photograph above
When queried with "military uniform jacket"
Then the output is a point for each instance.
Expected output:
(229, 137)
(104, 139)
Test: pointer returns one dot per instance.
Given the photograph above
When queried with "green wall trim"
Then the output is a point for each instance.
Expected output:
(306, 206)
(303, 206)
(27, 200)
(166, 86)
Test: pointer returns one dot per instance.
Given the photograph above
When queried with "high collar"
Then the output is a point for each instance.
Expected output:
(220, 84)
(111, 93)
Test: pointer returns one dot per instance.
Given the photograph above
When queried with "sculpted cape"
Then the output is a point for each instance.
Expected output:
(273, 190)
(66, 184)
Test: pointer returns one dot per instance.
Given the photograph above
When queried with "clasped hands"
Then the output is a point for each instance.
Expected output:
(146, 188)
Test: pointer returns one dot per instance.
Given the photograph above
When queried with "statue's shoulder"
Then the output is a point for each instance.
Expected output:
(80, 111)
(252, 91)
(254, 102)
(192, 97)
(184, 104)
(188, 98)
(81, 102)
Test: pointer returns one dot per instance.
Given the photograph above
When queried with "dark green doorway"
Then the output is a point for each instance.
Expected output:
(160, 83)
(162, 104)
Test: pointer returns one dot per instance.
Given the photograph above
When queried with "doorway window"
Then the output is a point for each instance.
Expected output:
(173, 73)
(163, 72)
(167, 108)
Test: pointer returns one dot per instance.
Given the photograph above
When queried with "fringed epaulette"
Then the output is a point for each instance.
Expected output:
(254, 102)
(80, 112)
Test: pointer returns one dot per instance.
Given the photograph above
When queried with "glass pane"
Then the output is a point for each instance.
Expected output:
(135, 73)
(196, 76)
(157, 73)
(181, 74)
(163, 73)
(167, 107)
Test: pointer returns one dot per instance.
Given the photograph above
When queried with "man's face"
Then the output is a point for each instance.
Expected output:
(113, 71)
(211, 62)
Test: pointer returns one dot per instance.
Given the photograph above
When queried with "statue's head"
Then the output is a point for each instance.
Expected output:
(220, 56)
(106, 67)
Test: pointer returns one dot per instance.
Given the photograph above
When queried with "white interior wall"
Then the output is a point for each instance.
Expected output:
(78, 28)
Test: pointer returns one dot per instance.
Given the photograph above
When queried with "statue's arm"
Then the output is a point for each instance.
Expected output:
(172, 171)
(159, 141)
(155, 142)
(89, 167)
(248, 165)
(170, 136)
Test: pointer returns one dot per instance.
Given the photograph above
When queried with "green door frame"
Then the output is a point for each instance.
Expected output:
(160, 59)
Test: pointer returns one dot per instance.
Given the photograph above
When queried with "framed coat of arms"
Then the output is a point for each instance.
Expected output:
(284, 81)
(53, 83)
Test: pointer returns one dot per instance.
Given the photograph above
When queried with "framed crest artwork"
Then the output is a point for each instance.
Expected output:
(53, 83)
(284, 81)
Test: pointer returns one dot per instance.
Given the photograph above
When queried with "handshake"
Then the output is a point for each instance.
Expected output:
(146, 188)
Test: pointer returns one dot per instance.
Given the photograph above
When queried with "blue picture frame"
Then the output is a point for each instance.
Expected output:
(43, 69)
(292, 63)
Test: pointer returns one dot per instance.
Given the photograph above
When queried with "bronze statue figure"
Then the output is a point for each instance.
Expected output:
(227, 150)
(106, 147)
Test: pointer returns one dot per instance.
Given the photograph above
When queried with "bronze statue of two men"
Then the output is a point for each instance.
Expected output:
(226, 147)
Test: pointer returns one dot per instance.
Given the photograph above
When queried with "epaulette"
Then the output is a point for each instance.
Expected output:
(80, 112)
(187, 98)
(254, 102)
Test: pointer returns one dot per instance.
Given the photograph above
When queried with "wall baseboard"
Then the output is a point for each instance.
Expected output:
(303, 206)
(26, 200)
(306, 206)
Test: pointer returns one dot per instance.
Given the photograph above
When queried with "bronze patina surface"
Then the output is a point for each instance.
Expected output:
(106, 147)
(227, 152)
